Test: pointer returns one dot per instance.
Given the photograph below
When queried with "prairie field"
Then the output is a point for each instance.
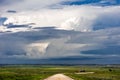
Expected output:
(77, 72)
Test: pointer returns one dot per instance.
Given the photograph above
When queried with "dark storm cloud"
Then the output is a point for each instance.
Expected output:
(21, 39)
(107, 21)
(102, 44)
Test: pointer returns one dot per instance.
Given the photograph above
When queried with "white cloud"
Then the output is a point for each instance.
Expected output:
(36, 50)
(79, 18)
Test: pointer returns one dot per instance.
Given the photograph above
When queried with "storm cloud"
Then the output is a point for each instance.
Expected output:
(53, 31)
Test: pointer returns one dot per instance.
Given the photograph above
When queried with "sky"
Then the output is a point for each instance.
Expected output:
(59, 32)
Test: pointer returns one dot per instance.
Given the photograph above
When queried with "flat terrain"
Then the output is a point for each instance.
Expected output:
(41, 72)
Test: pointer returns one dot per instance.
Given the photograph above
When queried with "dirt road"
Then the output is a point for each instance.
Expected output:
(59, 77)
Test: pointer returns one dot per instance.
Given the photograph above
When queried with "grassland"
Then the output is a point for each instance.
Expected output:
(40, 72)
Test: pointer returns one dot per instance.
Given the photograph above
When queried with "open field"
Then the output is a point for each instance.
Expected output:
(40, 72)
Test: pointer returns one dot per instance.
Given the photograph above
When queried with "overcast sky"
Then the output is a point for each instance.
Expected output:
(60, 31)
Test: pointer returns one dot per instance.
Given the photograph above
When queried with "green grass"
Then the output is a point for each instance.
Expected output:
(42, 72)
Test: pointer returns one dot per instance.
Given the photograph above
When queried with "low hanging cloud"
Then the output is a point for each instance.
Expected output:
(49, 45)
(53, 43)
